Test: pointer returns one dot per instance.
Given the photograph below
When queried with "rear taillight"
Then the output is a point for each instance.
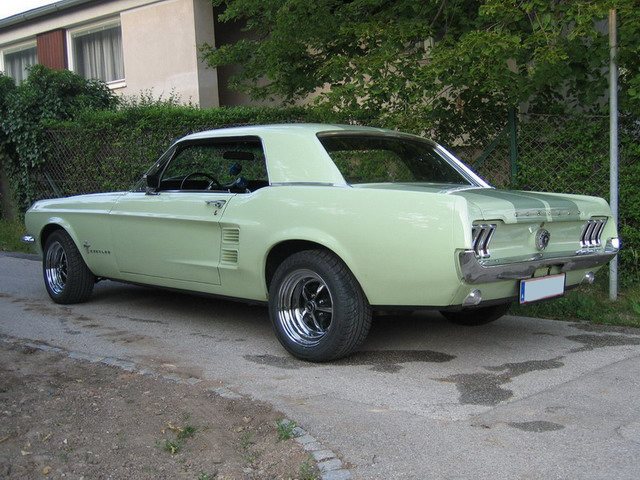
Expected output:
(481, 236)
(592, 233)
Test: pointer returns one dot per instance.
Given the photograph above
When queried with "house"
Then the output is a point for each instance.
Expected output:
(133, 45)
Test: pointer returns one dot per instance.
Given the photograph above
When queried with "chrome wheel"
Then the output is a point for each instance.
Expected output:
(55, 268)
(305, 307)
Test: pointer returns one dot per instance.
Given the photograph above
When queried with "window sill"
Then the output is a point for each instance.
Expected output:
(116, 84)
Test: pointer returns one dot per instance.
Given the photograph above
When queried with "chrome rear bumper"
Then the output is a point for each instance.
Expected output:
(475, 270)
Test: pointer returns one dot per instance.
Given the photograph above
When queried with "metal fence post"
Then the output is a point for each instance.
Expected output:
(513, 143)
(613, 143)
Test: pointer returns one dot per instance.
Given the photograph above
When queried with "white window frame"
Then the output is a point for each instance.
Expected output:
(13, 48)
(86, 29)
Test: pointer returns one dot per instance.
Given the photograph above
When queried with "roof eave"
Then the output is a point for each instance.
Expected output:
(39, 12)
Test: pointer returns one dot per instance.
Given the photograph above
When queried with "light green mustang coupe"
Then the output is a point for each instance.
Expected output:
(325, 223)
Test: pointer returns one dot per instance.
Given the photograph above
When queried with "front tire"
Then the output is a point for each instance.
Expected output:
(66, 277)
(477, 316)
(317, 308)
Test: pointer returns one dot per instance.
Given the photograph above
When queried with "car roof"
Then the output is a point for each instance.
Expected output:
(310, 128)
(293, 151)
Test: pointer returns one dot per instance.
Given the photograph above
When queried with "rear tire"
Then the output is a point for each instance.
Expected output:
(317, 308)
(66, 277)
(477, 316)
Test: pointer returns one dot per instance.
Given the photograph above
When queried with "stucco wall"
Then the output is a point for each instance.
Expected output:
(160, 50)
(205, 33)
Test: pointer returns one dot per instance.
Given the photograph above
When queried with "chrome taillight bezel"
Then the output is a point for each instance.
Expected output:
(591, 235)
(481, 235)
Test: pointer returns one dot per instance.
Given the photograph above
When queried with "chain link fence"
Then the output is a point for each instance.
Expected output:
(81, 162)
(568, 154)
(564, 154)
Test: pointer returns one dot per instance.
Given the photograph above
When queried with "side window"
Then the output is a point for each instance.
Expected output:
(222, 165)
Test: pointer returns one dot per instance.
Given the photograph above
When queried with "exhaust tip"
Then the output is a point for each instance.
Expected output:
(589, 278)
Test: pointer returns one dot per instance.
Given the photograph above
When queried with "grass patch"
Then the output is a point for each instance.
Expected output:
(284, 429)
(246, 440)
(308, 471)
(186, 432)
(10, 234)
(589, 303)
(249, 455)
(172, 446)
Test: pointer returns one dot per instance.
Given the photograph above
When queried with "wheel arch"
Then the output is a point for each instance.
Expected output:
(47, 230)
(285, 248)
(56, 224)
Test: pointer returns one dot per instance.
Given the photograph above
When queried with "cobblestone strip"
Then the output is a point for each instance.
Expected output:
(329, 465)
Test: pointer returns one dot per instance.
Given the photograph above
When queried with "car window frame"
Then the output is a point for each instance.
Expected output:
(456, 164)
(173, 151)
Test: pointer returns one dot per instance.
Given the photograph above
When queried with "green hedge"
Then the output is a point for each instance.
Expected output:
(572, 155)
(109, 150)
(45, 95)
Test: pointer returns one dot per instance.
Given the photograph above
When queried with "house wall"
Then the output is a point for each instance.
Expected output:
(165, 56)
(159, 37)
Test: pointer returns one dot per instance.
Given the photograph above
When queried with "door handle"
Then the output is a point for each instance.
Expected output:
(216, 203)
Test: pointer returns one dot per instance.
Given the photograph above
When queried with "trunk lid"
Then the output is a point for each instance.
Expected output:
(519, 217)
(511, 206)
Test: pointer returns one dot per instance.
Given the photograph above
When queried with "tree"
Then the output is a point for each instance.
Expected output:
(451, 65)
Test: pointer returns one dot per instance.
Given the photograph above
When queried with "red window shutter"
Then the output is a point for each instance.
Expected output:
(52, 51)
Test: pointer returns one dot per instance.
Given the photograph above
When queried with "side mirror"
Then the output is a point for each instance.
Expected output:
(153, 182)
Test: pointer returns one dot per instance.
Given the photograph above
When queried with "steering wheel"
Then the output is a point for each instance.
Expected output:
(212, 180)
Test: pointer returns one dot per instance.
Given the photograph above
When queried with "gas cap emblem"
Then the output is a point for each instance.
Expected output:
(542, 239)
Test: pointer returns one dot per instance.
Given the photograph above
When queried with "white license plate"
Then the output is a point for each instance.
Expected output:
(540, 288)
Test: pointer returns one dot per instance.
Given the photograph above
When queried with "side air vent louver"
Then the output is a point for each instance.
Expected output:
(592, 233)
(481, 236)
(229, 256)
(231, 235)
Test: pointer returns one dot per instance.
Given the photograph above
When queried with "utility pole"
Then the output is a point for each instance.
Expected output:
(613, 141)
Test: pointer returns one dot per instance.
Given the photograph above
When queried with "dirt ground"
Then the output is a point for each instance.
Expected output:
(63, 418)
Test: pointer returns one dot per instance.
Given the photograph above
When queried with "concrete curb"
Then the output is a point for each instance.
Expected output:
(328, 463)
(25, 256)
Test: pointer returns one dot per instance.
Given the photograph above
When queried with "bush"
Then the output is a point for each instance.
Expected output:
(46, 94)
(65, 135)
(110, 150)
(572, 155)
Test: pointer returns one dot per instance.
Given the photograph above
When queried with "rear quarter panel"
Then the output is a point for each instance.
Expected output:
(399, 245)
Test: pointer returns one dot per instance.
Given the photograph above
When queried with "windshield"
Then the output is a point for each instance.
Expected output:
(371, 158)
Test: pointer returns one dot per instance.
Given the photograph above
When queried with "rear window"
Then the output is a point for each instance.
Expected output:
(367, 158)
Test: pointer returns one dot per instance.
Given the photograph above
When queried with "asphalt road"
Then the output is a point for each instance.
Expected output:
(520, 398)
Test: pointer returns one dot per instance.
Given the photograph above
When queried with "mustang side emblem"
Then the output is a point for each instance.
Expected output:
(87, 246)
(542, 239)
